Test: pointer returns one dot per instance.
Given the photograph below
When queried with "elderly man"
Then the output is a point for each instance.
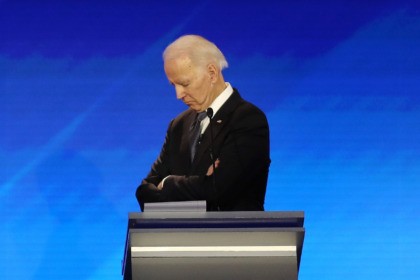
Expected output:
(218, 149)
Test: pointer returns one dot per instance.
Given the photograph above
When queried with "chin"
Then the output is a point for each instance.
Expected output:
(195, 108)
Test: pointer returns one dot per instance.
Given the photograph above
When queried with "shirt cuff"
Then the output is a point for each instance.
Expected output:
(163, 182)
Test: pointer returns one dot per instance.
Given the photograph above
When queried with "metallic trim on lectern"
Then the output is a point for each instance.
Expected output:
(212, 251)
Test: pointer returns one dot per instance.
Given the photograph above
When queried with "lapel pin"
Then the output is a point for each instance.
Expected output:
(219, 121)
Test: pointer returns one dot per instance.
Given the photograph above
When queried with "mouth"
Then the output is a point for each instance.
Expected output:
(192, 105)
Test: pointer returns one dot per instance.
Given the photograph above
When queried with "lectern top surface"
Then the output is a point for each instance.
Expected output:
(217, 219)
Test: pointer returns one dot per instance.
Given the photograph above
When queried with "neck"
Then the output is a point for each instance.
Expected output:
(218, 88)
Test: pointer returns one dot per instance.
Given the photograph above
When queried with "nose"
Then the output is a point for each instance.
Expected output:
(179, 92)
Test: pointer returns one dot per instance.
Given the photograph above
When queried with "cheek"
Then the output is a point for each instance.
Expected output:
(201, 95)
(199, 90)
(203, 90)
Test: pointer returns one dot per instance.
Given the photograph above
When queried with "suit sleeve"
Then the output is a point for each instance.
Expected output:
(148, 191)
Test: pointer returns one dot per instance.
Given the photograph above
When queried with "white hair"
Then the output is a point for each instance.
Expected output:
(198, 49)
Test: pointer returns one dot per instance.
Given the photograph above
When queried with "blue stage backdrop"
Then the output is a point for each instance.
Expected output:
(85, 105)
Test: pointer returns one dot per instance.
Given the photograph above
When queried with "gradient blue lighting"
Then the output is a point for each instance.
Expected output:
(85, 105)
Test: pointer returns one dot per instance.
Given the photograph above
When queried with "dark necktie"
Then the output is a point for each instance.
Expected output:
(195, 132)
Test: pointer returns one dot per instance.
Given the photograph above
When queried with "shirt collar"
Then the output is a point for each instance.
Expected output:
(221, 99)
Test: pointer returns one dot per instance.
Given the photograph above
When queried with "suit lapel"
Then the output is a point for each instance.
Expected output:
(220, 120)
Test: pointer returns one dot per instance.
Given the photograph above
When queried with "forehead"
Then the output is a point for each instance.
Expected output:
(179, 68)
(178, 63)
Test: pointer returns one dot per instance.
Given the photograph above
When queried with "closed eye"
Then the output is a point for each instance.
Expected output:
(182, 84)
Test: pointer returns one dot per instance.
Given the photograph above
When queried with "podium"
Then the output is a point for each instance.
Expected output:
(213, 245)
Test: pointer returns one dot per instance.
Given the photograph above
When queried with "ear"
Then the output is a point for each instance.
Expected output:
(213, 72)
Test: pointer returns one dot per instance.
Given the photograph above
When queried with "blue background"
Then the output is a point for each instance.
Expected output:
(85, 104)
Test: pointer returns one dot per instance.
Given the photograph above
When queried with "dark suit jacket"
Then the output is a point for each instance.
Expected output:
(241, 143)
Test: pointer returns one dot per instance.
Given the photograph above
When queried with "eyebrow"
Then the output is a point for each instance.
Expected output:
(180, 82)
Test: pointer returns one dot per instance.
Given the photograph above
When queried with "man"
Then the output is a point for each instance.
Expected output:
(228, 166)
